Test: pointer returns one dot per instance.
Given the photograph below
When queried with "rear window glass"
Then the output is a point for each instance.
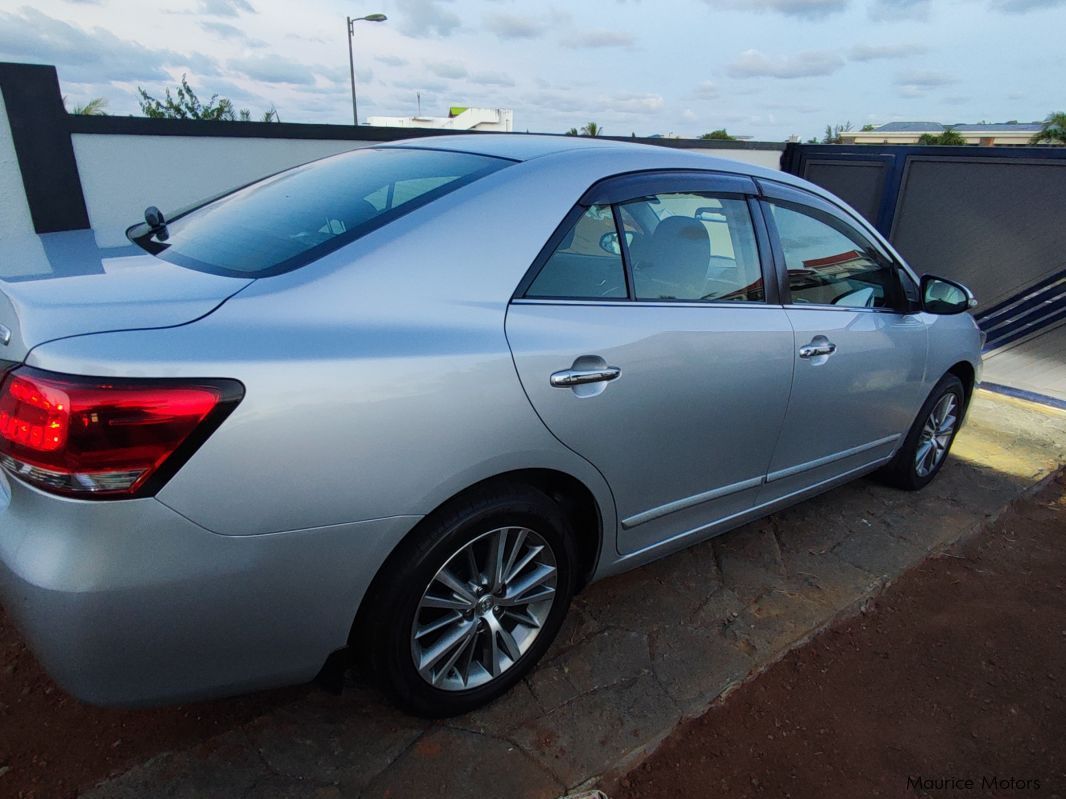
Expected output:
(297, 216)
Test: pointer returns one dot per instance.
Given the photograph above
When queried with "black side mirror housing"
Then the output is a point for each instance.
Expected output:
(945, 297)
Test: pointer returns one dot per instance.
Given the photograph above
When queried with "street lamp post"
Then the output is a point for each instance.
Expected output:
(351, 55)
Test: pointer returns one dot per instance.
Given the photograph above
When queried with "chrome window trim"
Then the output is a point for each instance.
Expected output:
(623, 302)
(815, 307)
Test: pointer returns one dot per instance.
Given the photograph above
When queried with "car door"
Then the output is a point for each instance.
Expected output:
(860, 344)
(648, 342)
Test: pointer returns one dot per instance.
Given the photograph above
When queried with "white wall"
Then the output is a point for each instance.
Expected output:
(15, 218)
(770, 159)
(121, 175)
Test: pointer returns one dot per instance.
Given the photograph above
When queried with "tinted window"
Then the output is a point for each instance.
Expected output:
(694, 247)
(587, 264)
(831, 264)
(294, 217)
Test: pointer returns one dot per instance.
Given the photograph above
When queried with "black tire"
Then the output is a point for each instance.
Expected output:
(902, 471)
(383, 634)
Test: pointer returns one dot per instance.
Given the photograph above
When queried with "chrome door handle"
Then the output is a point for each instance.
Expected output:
(576, 377)
(813, 350)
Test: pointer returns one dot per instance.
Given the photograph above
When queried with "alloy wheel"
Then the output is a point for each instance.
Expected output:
(936, 435)
(484, 608)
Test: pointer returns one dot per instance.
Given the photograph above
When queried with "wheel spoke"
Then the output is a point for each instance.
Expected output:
(516, 549)
(445, 645)
(525, 561)
(439, 624)
(538, 576)
(510, 645)
(456, 586)
(443, 603)
(497, 554)
(472, 567)
(457, 652)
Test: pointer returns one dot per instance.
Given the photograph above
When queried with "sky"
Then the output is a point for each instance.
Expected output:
(764, 69)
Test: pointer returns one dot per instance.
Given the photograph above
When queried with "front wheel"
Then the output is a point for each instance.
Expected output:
(930, 438)
(471, 602)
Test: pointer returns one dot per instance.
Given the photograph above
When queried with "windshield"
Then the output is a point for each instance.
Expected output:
(297, 216)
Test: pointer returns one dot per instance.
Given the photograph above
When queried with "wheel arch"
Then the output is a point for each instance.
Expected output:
(965, 371)
(576, 499)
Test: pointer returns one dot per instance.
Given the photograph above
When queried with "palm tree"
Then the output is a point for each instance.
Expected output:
(1054, 130)
(94, 108)
(591, 129)
(572, 132)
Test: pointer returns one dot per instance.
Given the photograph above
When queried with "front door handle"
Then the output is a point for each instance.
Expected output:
(568, 378)
(820, 346)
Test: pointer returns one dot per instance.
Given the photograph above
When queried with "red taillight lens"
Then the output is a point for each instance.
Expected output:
(98, 437)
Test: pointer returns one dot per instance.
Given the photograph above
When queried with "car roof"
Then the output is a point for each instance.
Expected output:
(517, 146)
(616, 155)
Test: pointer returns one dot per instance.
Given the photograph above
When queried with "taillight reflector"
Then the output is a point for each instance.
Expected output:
(98, 437)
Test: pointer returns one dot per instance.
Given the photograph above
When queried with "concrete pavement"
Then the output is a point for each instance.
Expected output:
(638, 653)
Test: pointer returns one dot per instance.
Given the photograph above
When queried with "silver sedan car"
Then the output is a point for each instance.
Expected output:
(400, 404)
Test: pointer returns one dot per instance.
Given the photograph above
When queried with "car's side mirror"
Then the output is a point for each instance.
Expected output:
(944, 297)
(609, 242)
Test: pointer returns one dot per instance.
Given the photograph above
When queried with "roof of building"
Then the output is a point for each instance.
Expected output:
(937, 127)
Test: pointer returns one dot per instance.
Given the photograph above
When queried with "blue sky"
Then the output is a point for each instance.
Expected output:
(762, 68)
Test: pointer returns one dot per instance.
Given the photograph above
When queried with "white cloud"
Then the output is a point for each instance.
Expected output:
(891, 10)
(918, 82)
(426, 18)
(89, 55)
(1024, 6)
(755, 64)
(451, 70)
(272, 69)
(492, 79)
(807, 9)
(706, 90)
(390, 60)
(878, 52)
(225, 8)
(595, 39)
(514, 26)
(634, 103)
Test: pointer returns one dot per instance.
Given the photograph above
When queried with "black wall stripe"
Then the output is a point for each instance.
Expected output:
(42, 145)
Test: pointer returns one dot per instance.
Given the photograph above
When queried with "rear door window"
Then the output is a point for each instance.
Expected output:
(288, 220)
(587, 263)
(697, 247)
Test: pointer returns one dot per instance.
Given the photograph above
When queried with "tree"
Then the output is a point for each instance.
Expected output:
(186, 105)
(1054, 130)
(591, 129)
(719, 135)
(572, 132)
(868, 127)
(833, 133)
(94, 108)
(949, 137)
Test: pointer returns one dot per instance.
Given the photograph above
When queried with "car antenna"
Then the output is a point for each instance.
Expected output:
(155, 220)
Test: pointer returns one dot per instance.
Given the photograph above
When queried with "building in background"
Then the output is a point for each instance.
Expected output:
(498, 120)
(983, 133)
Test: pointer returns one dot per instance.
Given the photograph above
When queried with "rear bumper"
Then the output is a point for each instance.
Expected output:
(130, 603)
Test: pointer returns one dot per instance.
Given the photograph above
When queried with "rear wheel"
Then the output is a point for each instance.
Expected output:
(471, 602)
(930, 438)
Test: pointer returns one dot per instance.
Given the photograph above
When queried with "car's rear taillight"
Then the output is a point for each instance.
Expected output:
(102, 437)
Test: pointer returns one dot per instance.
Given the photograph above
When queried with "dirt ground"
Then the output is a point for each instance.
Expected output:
(954, 680)
(51, 745)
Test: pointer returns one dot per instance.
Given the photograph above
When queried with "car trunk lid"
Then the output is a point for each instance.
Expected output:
(130, 292)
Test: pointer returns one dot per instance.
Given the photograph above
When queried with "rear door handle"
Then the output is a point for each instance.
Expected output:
(819, 346)
(569, 378)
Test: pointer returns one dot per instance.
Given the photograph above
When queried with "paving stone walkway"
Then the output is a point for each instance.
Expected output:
(638, 653)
